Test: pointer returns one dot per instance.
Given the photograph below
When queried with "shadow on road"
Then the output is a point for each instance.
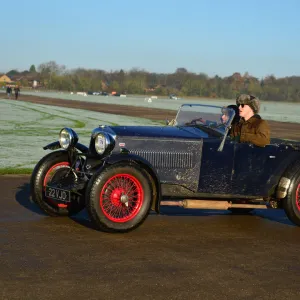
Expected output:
(274, 215)
(23, 198)
(82, 218)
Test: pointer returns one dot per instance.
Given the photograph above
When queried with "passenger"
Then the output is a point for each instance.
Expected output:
(251, 128)
(225, 115)
(237, 117)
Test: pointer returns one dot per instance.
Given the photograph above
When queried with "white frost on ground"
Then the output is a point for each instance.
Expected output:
(26, 127)
(270, 110)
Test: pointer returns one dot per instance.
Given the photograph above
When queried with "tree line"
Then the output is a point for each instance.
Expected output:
(181, 83)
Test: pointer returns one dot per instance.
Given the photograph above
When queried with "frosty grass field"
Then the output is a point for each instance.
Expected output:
(277, 111)
(26, 127)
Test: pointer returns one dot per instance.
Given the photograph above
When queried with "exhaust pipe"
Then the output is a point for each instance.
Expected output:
(211, 204)
(196, 204)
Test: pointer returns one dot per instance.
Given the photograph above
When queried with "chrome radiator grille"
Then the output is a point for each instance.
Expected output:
(167, 159)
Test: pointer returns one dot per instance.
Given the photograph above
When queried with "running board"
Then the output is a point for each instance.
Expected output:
(211, 204)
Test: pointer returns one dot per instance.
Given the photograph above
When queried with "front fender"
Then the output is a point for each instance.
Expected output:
(133, 158)
(116, 158)
(56, 145)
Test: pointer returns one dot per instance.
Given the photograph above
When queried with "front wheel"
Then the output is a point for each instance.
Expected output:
(291, 204)
(53, 168)
(119, 198)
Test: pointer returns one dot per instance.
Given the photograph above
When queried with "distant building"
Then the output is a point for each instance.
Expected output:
(27, 79)
(5, 79)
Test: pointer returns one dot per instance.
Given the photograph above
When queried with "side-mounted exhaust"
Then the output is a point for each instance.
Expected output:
(211, 204)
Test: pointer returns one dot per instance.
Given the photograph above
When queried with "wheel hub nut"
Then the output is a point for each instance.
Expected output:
(124, 199)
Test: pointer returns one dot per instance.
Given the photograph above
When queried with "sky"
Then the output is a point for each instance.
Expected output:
(216, 37)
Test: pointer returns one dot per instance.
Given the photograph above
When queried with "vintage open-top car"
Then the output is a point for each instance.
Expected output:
(191, 162)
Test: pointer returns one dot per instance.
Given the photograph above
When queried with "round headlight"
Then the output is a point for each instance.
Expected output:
(101, 143)
(67, 138)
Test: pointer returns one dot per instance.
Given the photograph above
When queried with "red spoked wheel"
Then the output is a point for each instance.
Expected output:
(56, 171)
(298, 197)
(118, 199)
(121, 198)
(291, 203)
(51, 169)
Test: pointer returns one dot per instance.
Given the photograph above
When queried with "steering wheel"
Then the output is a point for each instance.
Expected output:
(196, 121)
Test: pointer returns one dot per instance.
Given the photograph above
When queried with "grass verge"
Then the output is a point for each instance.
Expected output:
(15, 171)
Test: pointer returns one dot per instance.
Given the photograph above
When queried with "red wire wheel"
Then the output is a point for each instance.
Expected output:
(298, 197)
(121, 198)
(49, 176)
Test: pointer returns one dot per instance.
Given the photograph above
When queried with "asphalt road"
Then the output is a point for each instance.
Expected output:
(181, 254)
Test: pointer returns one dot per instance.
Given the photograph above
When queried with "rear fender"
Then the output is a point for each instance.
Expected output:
(287, 178)
(143, 163)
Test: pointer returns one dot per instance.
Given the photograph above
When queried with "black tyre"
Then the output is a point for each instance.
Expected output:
(240, 211)
(52, 167)
(119, 198)
(291, 204)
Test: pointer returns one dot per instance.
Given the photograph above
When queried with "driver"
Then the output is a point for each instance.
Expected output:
(251, 128)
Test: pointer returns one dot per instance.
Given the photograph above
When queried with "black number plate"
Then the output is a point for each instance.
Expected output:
(57, 194)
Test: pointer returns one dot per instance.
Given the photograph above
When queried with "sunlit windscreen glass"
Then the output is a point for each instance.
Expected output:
(208, 115)
(227, 116)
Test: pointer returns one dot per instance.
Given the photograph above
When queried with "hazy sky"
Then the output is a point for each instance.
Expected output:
(220, 37)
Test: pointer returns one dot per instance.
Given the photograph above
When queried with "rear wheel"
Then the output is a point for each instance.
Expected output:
(119, 198)
(53, 168)
(291, 203)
